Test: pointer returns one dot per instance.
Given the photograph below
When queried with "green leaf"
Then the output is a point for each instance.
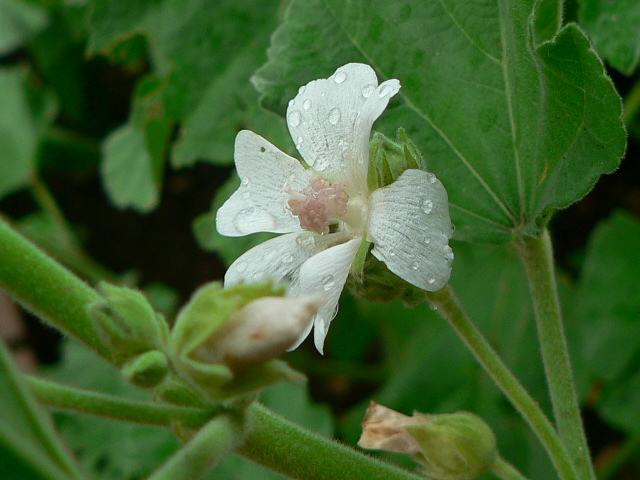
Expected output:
(206, 53)
(29, 447)
(24, 114)
(204, 228)
(607, 307)
(514, 128)
(613, 26)
(19, 21)
(135, 153)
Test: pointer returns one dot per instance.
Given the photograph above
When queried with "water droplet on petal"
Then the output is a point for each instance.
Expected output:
(328, 282)
(306, 104)
(302, 89)
(245, 181)
(291, 102)
(287, 259)
(340, 77)
(367, 90)
(431, 281)
(431, 178)
(415, 266)
(384, 91)
(334, 116)
(448, 253)
(426, 206)
(427, 241)
(241, 266)
(294, 118)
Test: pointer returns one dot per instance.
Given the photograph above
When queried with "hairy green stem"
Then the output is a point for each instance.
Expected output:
(194, 460)
(46, 288)
(270, 440)
(63, 397)
(309, 456)
(537, 256)
(505, 471)
(451, 309)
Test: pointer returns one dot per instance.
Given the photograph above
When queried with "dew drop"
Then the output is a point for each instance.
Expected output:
(431, 281)
(431, 178)
(306, 104)
(367, 90)
(241, 266)
(292, 102)
(384, 91)
(415, 266)
(302, 89)
(427, 206)
(299, 142)
(287, 259)
(448, 253)
(245, 181)
(340, 77)
(334, 116)
(427, 241)
(294, 118)
(328, 282)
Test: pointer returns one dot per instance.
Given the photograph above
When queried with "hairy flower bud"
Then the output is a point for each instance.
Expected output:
(457, 446)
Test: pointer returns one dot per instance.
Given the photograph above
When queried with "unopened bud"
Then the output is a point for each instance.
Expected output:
(260, 331)
(457, 446)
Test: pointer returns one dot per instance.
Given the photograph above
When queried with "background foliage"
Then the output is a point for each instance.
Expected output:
(117, 122)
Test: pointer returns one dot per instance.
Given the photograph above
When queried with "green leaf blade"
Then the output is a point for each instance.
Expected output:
(484, 104)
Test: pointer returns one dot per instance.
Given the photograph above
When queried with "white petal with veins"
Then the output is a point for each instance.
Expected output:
(330, 121)
(260, 204)
(410, 227)
(325, 274)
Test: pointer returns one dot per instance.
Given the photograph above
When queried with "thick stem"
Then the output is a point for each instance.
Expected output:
(450, 308)
(47, 288)
(505, 471)
(537, 255)
(194, 460)
(285, 447)
(270, 440)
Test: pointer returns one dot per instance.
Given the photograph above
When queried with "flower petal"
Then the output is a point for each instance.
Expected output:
(260, 203)
(330, 120)
(325, 274)
(278, 258)
(410, 227)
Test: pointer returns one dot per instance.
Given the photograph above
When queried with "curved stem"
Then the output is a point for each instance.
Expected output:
(46, 288)
(537, 256)
(450, 308)
(505, 471)
(270, 439)
(194, 460)
(63, 397)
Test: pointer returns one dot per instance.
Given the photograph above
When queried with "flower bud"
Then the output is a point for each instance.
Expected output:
(224, 341)
(127, 323)
(457, 446)
(260, 331)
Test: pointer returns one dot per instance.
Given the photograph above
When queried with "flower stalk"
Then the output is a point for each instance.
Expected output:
(450, 308)
(537, 256)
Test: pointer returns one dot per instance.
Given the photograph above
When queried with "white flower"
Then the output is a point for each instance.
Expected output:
(327, 210)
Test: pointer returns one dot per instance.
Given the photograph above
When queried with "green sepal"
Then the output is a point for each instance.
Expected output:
(127, 323)
(146, 370)
(377, 283)
(178, 391)
(389, 158)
